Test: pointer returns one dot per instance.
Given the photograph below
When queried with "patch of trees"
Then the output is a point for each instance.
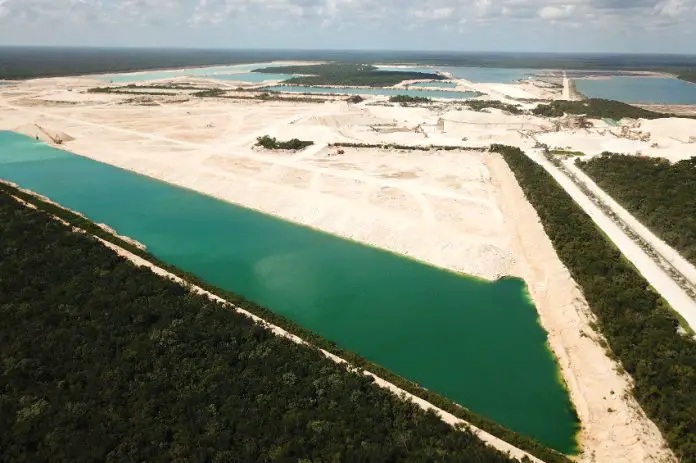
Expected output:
(522, 442)
(659, 194)
(688, 75)
(595, 108)
(104, 360)
(346, 74)
(640, 328)
(480, 105)
(271, 143)
(406, 99)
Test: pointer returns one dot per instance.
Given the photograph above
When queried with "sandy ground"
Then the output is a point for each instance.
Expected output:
(460, 210)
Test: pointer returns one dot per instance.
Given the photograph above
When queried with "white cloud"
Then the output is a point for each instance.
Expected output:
(553, 13)
(434, 15)
(674, 8)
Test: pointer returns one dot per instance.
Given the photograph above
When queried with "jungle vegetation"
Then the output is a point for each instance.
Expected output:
(270, 143)
(76, 220)
(346, 74)
(637, 323)
(659, 194)
(595, 108)
(104, 360)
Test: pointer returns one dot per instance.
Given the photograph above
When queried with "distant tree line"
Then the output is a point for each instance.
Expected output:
(523, 442)
(636, 321)
(659, 194)
(103, 360)
(410, 147)
(270, 143)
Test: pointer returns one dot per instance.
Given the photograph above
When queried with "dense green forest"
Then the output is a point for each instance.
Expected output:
(640, 328)
(104, 360)
(346, 74)
(595, 107)
(523, 442)
(659, 194)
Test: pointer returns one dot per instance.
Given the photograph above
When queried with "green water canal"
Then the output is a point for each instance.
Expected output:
(475, 342)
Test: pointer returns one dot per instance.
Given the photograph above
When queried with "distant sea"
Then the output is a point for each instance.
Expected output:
(30, 62)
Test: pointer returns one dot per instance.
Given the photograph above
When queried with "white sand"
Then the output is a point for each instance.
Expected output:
(457, 210)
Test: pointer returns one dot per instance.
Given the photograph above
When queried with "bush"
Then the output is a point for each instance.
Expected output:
(355, 99)
(405, 99)
(270, 143)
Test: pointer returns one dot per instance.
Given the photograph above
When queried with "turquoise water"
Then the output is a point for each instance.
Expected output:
(490, 75)
(434, 85)
(373, 91)
(476, 342)
(656, 90)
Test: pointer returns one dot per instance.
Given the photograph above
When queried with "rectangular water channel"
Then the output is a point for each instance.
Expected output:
(478, 343)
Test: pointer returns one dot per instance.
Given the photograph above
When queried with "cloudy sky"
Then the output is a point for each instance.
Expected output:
(662, 26)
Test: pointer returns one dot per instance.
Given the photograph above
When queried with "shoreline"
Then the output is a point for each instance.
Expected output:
(493, 278)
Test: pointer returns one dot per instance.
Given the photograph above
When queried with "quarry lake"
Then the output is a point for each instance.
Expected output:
(648, 90)
(478, 343)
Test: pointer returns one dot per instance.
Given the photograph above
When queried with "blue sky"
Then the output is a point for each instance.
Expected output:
(664, 26)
